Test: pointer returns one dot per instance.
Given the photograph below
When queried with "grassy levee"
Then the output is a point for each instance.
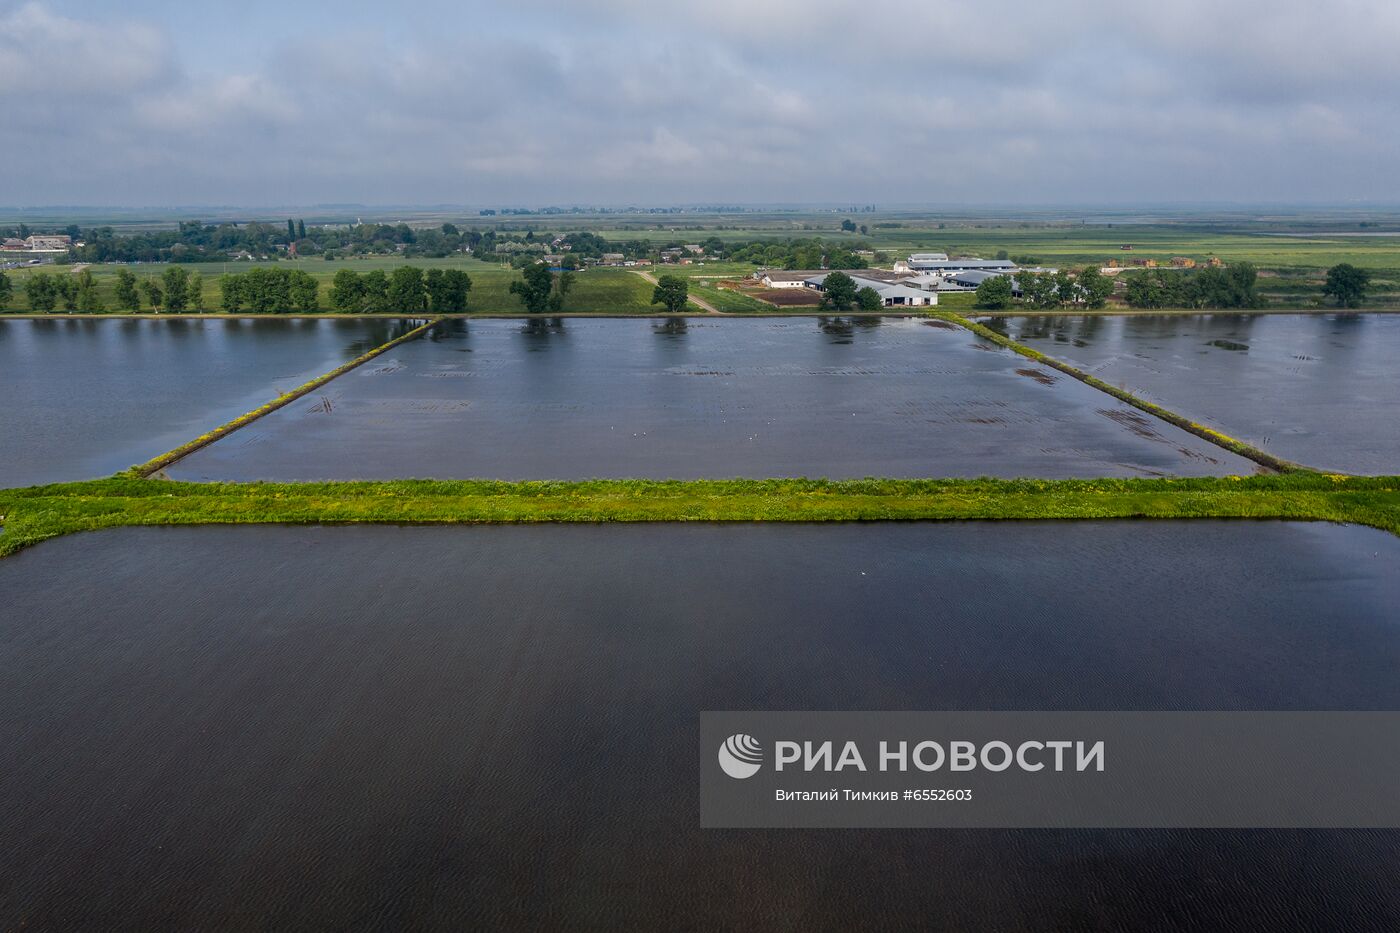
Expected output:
(36, 513)
(1234, 445)
(156, 464)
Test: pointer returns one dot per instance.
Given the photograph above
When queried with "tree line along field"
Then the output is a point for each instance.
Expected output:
(603, 290)
(1292, 257)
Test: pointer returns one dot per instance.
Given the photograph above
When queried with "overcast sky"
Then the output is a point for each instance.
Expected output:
(149, 102)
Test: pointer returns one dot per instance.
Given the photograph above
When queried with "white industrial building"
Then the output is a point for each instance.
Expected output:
(916, 263)
(968, 281)
(787, 278)
(894, 292)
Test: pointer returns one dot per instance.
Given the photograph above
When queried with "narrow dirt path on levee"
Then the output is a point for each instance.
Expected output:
(700, 303)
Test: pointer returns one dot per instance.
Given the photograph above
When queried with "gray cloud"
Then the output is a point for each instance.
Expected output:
(890, 101)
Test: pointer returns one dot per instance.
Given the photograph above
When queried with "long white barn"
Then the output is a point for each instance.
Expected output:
(893, 294)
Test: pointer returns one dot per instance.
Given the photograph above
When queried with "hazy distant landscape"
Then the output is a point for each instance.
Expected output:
(1292, 250)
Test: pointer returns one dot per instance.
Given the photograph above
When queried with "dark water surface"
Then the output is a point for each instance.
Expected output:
(86, 398)
(574, 399)
(379, 727)
(1320, 389)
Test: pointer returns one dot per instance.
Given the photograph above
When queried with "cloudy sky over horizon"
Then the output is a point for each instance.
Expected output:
(154, 102)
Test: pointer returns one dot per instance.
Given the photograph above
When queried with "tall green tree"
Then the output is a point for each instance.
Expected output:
(39, 288)
(128, 298)
(7, 289)
(535, 285)
(1347, 285)
(291, 229)
(231, 297)
(87, 298)
(407, 291)
(301, 229)
(376, 296)
(672, 291)
(67, 288)
(838, 291)
(563, 284)
(1039, 289)
(266, 290)
(1094, 287)
(447, 290)
(995, 293)
(868, 299)
(153, 293)
(1066, 288)
(174, 281)
(303, 291)
(347, 291)
(194, 292)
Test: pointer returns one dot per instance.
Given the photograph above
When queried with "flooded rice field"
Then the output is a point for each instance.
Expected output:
(392, 727)
(575, 399)
(86, 398)
(1320, 389)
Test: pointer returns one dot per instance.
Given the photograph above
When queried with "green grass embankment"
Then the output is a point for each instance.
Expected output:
(37, 513)
(159, 463)
(1220, 439)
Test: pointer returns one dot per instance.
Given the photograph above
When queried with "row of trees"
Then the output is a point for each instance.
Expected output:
(408, 289)
(412, 290)
(194, 241)
(47, 291)
(1212, 287)
(174, 290)
(800, 254)
(1086, 288)
(1235, 287)
(269, 291)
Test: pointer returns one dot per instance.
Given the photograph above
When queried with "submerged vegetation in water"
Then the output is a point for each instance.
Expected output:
(156, 464)
(37, 513)
(1234, 445)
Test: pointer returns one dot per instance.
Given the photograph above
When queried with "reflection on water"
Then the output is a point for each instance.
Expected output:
(87, 397)
(1320, 389)
(829, 396)
(670, 327)
(479, 727)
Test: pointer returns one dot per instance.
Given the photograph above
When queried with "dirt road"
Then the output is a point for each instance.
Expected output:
(700, 303)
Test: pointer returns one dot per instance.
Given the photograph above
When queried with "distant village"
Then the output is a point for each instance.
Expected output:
(40, 243)
(915, 281)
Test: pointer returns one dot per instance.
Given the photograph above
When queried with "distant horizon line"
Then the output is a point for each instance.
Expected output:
(717, 206)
